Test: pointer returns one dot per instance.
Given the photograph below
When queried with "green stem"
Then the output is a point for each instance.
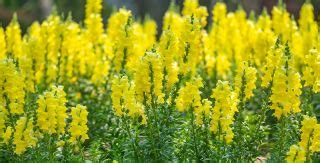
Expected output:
(262, 117)
(150, 130)
(206, 128)
(219, 138)
(282, 140)
(308, 145)
(193, 133)
(239, 118)
(131, 138)
(153, 109)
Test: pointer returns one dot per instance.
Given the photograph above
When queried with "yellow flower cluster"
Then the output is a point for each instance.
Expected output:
(3, 118)
(17, 127)
(296, 153)
(3, 49)
(311, 72)
(35, 54)
(7, 135)
(64, 51)
(189, 96)
(93, 20)
(145, 74)
(12, 92)
(286, 88)
(149, 75)
(173, 21)
(273, 61)
(51, 113)
(93, 7)
(52, 29)
(307, 36)
(245, 81)
(14, 40)
(309, 142)
(203, 111)
(310, 134)
(168, 49)
(24, 135)
(191, 7)
(129, 39)
(190, 42)
(124, 99)
(225, 107)
(61, 51)
(282, 23)
(78, 127)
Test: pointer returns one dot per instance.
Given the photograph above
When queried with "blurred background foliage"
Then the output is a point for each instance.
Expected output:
(36, 10)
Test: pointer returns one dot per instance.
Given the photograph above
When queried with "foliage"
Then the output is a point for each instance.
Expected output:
(244, 89)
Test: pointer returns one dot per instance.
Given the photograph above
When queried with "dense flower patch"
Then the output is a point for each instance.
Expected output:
(240, 87)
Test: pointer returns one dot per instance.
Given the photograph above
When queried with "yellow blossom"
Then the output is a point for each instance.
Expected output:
(3, 49)
(286, 88)
(12, 89)
(245, 81)
(219, 12)
(124, 100)
(148, 78)
(3, 118)
(296, 153)
(120, 31)
(7, 135)
(309, 141)
(191, 38)
(168, 49)
(14, 39)
(202, 111)
(224, 109)
(189, 95)
(24, 135)
(51, 112)
(93, 7)
(52, 31)
(311, 71)
(78, 127)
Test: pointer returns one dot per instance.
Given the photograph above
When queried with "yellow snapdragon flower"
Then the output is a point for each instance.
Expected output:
(225, 107)
(36, 51)
(24, 135)
(93, 7)
(202, 111)
(12, 89)
(309, 141)
(52, 29)
(7, 135)
(190, 42)
(78, 127)
(148, 78)
(3, 118)
(124, 99)
(14, 39)
(120, 32)
(286, 88)
(51, 112)
(311, 71)
(296, 153)
(173, 21)
(168, 49)
(3, 47)
(245, 80)
(189, 95)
